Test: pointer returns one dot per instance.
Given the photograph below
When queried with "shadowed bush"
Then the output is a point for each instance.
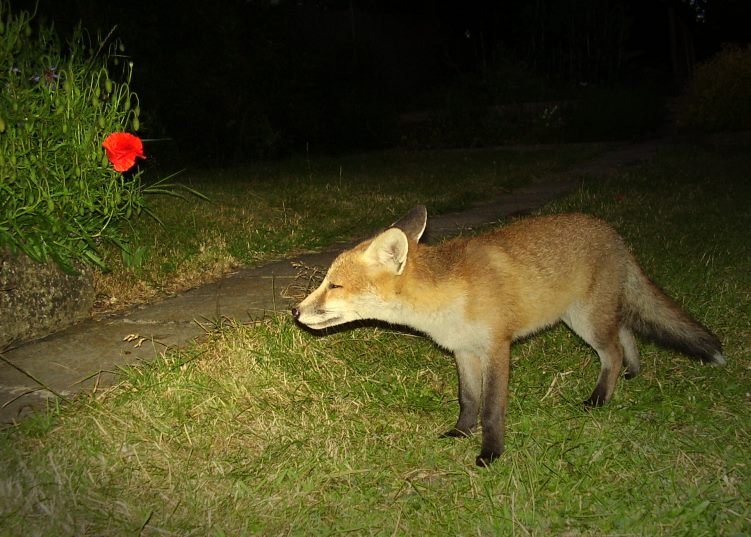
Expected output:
(718, 97)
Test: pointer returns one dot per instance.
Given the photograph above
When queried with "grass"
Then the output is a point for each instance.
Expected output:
(267, 429)
(267, 211)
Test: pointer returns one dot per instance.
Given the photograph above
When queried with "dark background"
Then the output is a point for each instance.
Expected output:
(235, 80)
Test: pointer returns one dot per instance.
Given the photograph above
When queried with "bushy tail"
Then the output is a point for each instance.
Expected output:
(650, 312)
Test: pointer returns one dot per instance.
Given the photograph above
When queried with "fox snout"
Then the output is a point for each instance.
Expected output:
(298, 312)
(309, 313)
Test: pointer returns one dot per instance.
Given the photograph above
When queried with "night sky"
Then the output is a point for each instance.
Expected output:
(236, 80)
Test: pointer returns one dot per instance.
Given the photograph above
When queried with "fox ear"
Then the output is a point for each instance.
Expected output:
(389, 249)
(413, 223)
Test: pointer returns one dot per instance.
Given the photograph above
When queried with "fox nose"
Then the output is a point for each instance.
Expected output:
(295, 313)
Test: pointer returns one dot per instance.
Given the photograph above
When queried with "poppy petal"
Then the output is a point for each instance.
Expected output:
(122, 149)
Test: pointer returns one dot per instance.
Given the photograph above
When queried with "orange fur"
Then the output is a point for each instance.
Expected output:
(475, 295)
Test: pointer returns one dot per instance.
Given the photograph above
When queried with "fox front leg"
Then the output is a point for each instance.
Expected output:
(469, 371)
(495, 375)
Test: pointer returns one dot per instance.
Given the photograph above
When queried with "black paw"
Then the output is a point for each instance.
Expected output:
(485, 459)
(456, 433)
(630, 374)
(596, 399)
(591, 403)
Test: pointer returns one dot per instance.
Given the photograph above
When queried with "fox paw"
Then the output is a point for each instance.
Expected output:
(486, 458)
(592, 403)
(596, 399)
(457, 433)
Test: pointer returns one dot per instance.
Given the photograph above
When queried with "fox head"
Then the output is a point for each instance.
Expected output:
(361, 282)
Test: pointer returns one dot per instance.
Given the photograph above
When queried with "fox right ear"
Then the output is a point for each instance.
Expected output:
(413, 223)
(389, 249)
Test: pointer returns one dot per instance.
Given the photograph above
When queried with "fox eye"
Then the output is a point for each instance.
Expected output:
(334, 286)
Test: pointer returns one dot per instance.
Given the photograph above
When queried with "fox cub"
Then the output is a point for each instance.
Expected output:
(474, 296)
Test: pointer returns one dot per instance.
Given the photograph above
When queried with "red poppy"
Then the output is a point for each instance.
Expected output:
(122, 149)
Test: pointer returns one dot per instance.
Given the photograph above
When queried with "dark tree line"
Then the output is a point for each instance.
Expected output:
(244, 79)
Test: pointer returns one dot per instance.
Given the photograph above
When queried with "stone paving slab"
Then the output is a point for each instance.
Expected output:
(87, 356)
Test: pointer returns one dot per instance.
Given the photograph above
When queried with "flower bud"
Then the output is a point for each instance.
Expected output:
(2, 124)
(108, 85)
(136, 124)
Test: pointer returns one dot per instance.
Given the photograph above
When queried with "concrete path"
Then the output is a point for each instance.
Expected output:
(87, 356)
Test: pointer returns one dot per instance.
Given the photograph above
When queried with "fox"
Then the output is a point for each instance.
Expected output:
(475, 295)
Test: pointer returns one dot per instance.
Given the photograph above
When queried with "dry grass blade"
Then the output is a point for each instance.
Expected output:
(307, 278)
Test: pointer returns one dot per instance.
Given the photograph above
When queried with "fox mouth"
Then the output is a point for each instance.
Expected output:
(324, 323)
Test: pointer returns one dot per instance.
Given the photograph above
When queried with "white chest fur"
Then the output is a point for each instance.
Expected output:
(449, 327)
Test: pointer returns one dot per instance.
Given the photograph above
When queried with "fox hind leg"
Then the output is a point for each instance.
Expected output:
(606, 337)
(611, 360)
(630, 351)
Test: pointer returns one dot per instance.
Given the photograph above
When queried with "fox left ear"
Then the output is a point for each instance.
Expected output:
(390, 250)
(413, 223)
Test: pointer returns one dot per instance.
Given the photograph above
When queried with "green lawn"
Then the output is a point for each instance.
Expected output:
(266, 429)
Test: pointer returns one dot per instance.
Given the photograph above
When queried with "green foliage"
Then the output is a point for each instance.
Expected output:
(718, 97)
(59, 196)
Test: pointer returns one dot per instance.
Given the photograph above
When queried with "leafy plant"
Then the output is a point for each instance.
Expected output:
(718, 97)
(59, 196)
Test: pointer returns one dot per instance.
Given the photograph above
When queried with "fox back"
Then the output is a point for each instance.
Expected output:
(474, 296)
